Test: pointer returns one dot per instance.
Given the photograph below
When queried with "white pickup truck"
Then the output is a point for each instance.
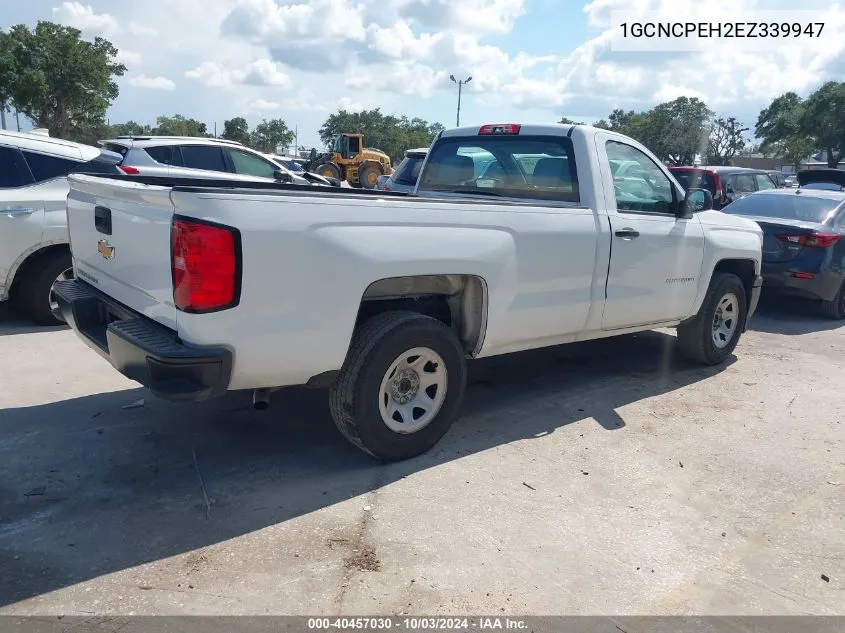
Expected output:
(518, 237)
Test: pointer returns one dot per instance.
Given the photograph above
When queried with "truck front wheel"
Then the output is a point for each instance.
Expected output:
(401, 386)
(711, 336)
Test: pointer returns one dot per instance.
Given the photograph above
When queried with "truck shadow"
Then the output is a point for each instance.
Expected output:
(13, 323)
(89, 486)
(790, 316)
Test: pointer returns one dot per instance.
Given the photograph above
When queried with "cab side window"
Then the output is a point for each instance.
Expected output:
(643, 188)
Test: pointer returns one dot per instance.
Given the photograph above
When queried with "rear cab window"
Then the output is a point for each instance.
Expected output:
(509, 165)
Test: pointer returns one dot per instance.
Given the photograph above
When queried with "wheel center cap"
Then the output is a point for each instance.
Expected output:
(404, 386)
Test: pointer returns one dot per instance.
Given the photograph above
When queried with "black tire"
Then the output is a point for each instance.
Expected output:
(368, 176)
(695, 338)
(835, 309)
(34, 289)
(354, 396)
(328, 170)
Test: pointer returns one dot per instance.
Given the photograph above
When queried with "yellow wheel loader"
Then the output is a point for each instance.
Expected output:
(349, 160)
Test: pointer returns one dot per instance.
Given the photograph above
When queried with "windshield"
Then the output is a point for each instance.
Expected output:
(532, 167)
(408, 171)
(784, 207)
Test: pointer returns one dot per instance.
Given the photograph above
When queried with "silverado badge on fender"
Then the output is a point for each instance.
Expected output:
(105, 249)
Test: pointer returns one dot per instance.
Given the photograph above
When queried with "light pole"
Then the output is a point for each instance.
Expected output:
(460, 85)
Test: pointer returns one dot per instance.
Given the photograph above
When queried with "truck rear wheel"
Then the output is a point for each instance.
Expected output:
(712, 335)
(401, 386)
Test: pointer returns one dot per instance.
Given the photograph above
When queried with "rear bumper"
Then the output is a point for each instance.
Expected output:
(824, 285)
(755, 297)
(141, 349)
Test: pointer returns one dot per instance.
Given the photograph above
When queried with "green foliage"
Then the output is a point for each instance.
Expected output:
(824, 120)
(727, 139)
(58, 80)
(566, 121)
(236, 129)
(391, 134)
(178, 125)
(675, 131)
(268, 135)
(792, 128)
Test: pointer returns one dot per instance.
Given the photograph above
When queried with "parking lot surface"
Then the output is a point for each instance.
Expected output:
(600, 478)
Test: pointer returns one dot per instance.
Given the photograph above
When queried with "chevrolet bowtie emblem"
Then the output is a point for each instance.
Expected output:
(105, 249)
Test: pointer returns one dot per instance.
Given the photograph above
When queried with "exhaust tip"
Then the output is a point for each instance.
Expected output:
(261, 399)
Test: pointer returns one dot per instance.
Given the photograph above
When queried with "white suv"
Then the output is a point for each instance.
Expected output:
(200, 157)
(34, 250)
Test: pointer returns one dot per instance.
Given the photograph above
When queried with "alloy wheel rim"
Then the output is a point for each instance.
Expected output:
(65, 275)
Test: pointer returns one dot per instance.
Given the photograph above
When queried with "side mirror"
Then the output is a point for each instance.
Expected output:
(283, 176)
(696, 200)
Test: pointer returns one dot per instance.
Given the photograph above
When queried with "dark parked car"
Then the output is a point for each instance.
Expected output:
(828, 179)
(726, 184)
(803, 243)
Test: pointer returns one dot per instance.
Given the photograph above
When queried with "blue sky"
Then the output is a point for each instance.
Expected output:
(531, 60)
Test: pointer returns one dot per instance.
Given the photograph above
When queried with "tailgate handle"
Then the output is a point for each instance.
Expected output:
(102, 220)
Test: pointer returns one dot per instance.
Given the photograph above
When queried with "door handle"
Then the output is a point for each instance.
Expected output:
(17, 212)
(627, 233)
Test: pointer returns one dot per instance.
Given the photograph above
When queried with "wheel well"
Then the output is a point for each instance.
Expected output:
(742, 268)
(459, 301)
(31, 259)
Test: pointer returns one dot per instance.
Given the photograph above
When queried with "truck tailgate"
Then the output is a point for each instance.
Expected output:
(120, 240)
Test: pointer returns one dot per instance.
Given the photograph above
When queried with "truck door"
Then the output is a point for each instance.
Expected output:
(655, 257)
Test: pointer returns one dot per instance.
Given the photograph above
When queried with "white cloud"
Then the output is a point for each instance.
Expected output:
(263, 104)
(136, 28)
(84, 18)
(129, 58)
(152, 83)
(261, 72)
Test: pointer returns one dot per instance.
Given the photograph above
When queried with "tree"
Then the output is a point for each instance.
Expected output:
(727, 139)
(178, 125)
(793, 128)
(391, 134)
(566, 121)
(824, 120)
(675, 131)
(268, 135)
(236, 129)
(130, 128)
(58, 80)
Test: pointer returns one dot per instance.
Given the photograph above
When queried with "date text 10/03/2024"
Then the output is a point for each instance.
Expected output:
(418, 624)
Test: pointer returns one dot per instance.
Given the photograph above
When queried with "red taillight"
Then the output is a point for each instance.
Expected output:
(820, 240)
(500, 128)
(717, 184)
(129, 171)
(206, 275)
(802, 275)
